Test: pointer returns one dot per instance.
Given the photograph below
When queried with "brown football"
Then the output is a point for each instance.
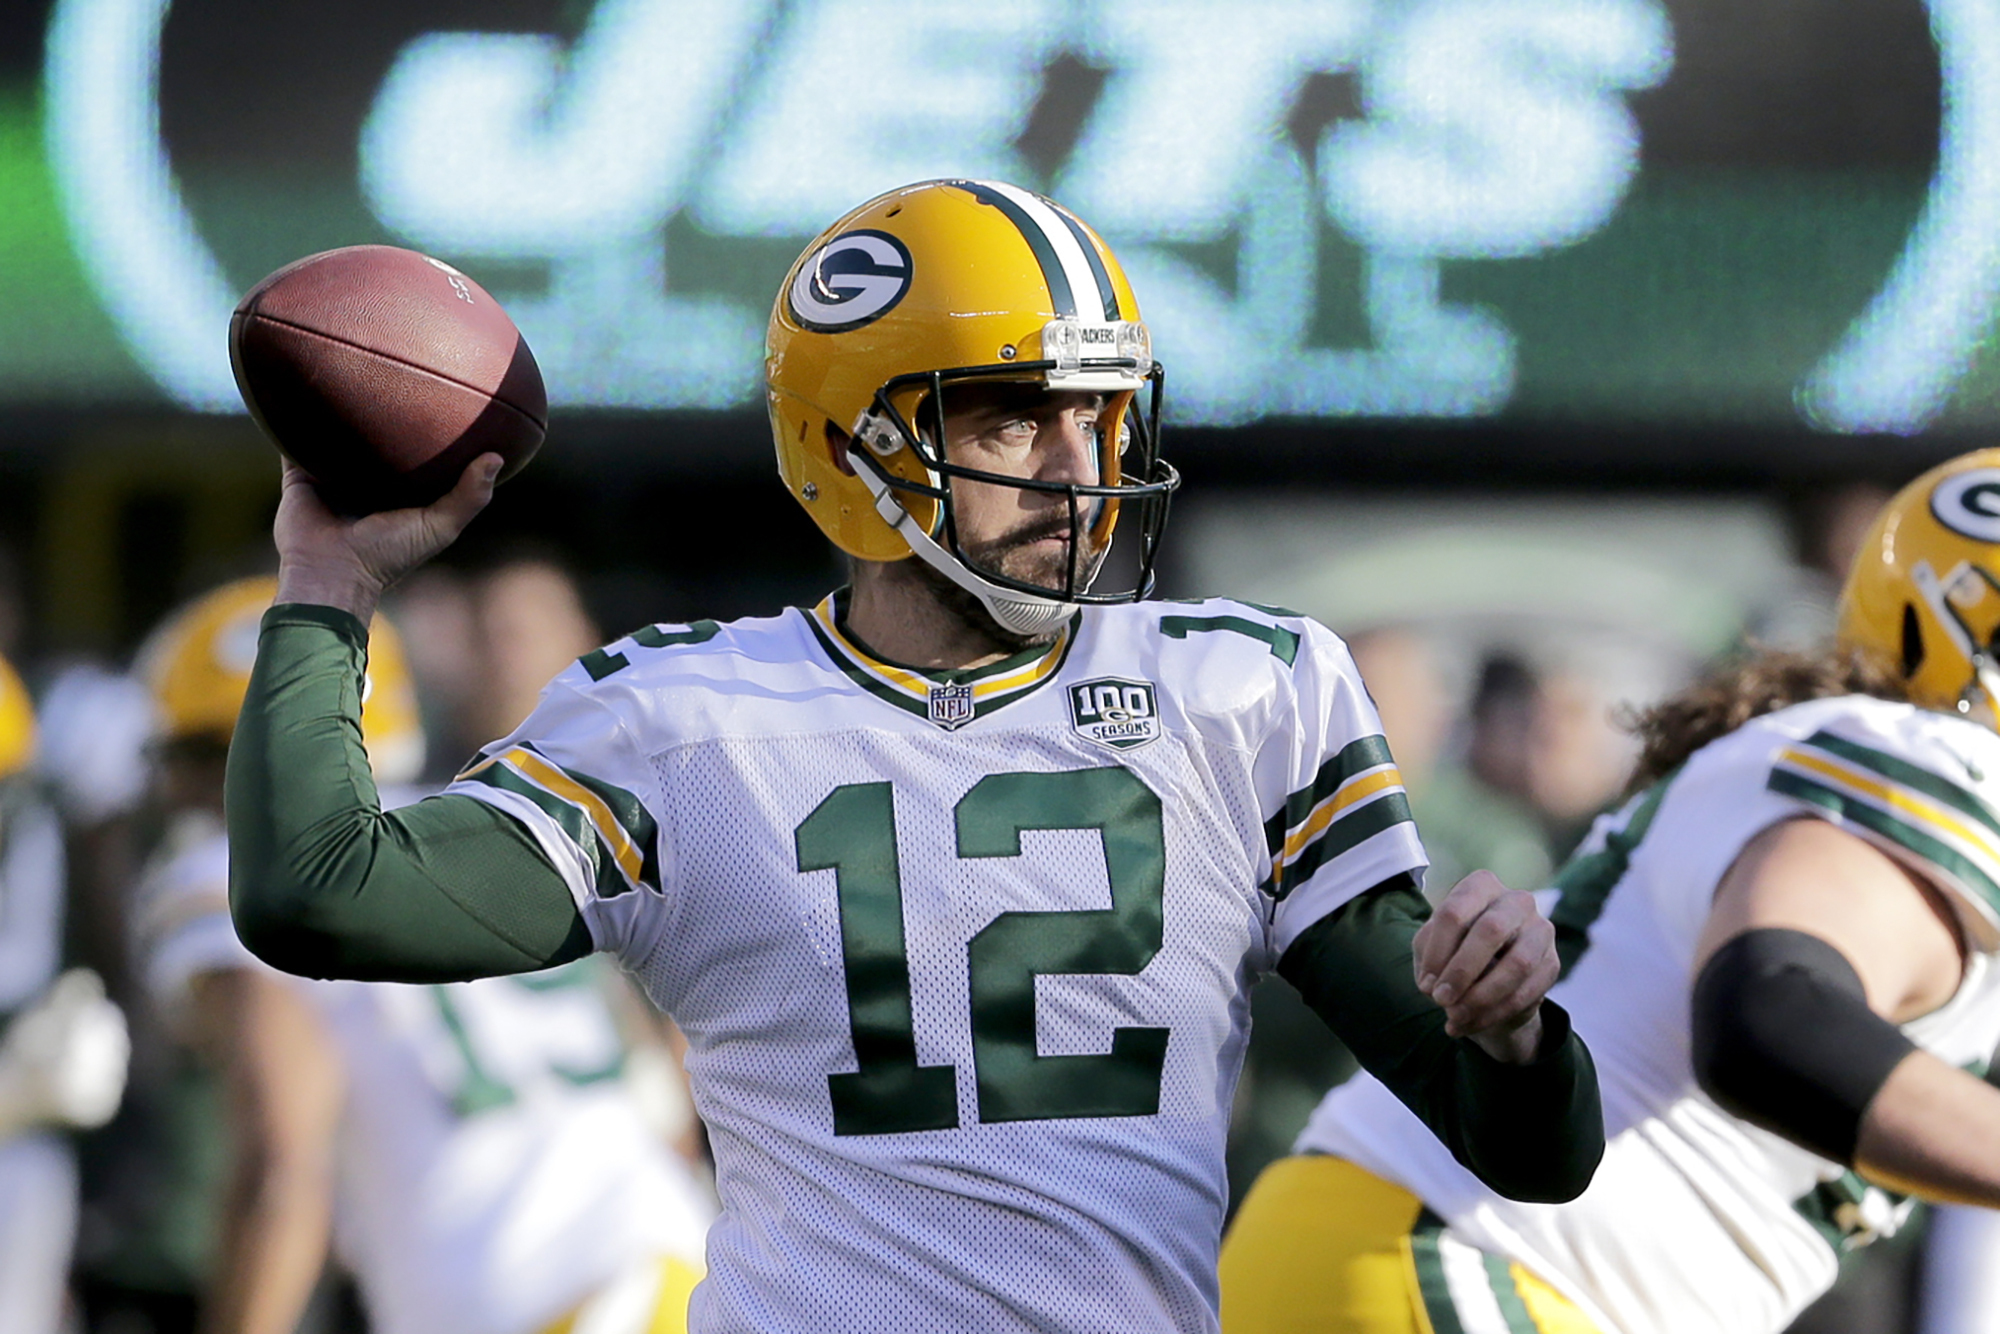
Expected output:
(384, 372)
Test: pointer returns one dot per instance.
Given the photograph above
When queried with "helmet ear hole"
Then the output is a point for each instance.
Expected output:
(1913, 641)
(837, 441)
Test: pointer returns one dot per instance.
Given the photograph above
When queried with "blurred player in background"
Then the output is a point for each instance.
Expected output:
(478, 1151)
(63, 1045)
(484, 642)
(963, 961)
(529, 624)
(1782, 949)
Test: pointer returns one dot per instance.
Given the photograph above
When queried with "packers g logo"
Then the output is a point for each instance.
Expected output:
(1969, 504)
(855, 278)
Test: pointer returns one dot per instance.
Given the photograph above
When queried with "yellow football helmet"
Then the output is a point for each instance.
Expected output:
(935, 285)
(198, 663)
(17, 723)
(1923, 596)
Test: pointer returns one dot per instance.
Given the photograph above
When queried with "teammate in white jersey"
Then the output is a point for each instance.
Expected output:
(1782, 952)
(958, 881)
(63, 1045)
(477, 1150)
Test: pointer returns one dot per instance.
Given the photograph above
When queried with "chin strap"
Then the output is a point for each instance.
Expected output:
(1983, 690)
(1017, 613)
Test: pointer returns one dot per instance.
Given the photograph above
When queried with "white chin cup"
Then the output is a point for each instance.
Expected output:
(1015, 612)
(1020, 614)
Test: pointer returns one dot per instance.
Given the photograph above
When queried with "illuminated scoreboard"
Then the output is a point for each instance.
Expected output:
(1574, 210)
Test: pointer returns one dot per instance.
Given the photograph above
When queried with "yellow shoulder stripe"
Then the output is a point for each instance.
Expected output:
(1902, 800)
(553, 780)
(1343, 798)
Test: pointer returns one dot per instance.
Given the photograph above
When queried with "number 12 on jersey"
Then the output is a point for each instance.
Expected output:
(853, 834)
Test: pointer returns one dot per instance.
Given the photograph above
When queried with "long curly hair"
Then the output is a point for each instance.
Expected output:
(1763, 681)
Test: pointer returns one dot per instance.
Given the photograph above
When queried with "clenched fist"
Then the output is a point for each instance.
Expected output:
(1487, 957)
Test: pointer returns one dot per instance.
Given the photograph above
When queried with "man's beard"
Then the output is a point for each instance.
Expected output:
(1010, 556)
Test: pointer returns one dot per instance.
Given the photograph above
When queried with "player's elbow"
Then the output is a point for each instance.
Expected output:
(1542, 1189)
(1567, 1188)
(295, 917)
(276, 930)
(1781, 1035)
(1546, 1164)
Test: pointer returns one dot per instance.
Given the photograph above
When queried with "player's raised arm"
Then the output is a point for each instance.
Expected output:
(322, 882)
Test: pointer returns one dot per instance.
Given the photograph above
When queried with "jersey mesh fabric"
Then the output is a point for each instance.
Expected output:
(1097, 1219)
(1697, 1221)
(1079, 1221)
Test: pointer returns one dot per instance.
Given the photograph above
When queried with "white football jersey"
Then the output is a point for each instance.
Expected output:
(963, 957)
(32, 872)
(37, 1168)
(1697, 1221)
(494, 1169)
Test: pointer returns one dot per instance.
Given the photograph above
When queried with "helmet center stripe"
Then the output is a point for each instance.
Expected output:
(1043, 245)
(1069, 244)
(1105, 291)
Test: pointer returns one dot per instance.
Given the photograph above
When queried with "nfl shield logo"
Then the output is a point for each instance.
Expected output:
(951, 705)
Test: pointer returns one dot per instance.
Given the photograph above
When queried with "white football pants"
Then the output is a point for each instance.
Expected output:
(37, 1230)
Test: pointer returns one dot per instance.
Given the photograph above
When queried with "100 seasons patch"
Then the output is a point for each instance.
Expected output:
(1114, 712)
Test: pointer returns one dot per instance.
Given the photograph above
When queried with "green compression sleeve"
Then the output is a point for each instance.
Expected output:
(1531, 1132)
(324, 883)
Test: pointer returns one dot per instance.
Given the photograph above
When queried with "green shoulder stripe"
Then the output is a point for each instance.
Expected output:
(1899, 770)
(1586, 881)
(1283, 643)
(1347, 832)
(626, 808)
(1354, 757)
(1890, 827)
(604, 870)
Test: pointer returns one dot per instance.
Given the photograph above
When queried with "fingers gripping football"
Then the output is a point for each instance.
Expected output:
(1487, 957)
(336, 561)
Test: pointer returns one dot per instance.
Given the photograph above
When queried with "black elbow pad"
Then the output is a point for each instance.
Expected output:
(1782, 1036)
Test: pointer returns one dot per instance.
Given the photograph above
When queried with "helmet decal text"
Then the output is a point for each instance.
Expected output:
(1968, 503)
(852, 280)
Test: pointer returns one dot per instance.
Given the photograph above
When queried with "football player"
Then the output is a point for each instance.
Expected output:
(958, 880)
(476, 1153)
(63, 1045)
(1782, 951)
